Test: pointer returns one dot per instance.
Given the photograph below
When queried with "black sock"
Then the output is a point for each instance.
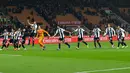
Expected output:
(95, 44)
(67, 44)
(124, 44)
(7, 45)
(119, 44)
(14, 46)
(99, 43)
(23, 46)
(59, 45)
(85, 43)
(111, 42)
(33, 42)
(19, 45)
(29, 42)
(2, 47)
(78, 44)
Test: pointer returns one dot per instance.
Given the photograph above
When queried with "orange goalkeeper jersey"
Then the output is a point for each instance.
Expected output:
(40, 33)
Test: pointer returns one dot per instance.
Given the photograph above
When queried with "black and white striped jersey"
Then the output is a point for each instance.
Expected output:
(6, 35)
(110, 32)
(34, 26)
(17, 35)
(12, 35)
(96, 32)
(80, 32)
(61, 32)
(120, 33)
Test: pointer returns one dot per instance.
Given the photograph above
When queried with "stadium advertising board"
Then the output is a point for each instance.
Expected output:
(69, 22)
(54, 40)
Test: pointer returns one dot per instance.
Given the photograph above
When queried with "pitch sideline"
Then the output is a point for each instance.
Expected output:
(10, 55)
(104, 70)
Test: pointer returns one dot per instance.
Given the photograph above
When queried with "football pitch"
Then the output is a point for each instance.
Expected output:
(67, 60)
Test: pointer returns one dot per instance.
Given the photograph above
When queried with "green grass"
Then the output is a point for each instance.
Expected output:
(34, 60)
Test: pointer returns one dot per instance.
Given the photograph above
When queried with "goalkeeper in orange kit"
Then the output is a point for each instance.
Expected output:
(40, 36)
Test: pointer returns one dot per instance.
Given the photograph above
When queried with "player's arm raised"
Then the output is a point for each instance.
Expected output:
(1, 34)
(74, 30)
(47, 33)
(114, 32)
(105, 33)
(29, 23)
(55, 33)
(68, 32)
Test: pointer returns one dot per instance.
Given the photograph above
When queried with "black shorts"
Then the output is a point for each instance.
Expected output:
(4, 41)
(121, 39)
(11, 40)
(80, 39)
(23, 41)
(96, 38)
(16, 41)
(61, 39)
(33, 35)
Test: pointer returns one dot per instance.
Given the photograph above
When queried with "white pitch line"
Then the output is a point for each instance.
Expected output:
(1, 72)
(113, 69)
(10, 55)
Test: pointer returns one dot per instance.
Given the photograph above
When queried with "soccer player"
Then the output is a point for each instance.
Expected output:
(80, 36)
(23, 35)
(19, 37)
(11, 41)
(5, 40)
(121, 36)
(16, 39)
(96, 32)
(110, 32)
(40, 36)
(61, 37)
(33, 32)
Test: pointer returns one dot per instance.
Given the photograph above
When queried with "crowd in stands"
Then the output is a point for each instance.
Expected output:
(48, 9)
(6, 21)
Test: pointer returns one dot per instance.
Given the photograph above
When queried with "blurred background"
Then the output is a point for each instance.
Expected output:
(68, 14)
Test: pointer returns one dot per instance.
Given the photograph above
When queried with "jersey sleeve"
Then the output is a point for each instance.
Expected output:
(45, 31)
(76, 30)
(56, 32)
(36, 27)
(106, 31)
(82, 29)
(63, 29)
(99, 29)
(122, 30)
(114, 32)
(93, 30)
